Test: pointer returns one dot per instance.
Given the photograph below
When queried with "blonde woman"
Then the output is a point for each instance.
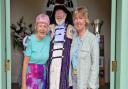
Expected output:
(84, 53)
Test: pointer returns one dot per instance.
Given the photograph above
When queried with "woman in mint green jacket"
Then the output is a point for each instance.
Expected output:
(84, 53)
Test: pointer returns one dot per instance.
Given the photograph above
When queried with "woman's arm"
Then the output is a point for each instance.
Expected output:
(94, 75)
(24, 71)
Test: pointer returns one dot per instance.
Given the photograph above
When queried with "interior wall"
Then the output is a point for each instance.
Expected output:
(27, 8)
(97, 9)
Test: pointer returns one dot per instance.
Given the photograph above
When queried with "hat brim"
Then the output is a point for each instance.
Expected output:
(60, 7)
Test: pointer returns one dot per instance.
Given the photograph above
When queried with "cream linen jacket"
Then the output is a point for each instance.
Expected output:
(88, 61)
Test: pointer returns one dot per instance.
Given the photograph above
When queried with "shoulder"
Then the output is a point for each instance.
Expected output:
(48, 37)
(31, 37)
(91, 35)
(70, 31)
(52, 26)
(27, 39)
(70, 26)
(91, 38)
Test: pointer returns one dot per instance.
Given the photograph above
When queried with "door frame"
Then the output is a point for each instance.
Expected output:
(8, 43)
(2, 45)
(5, 45)
(122, 44)
(119, 31)
(113, 42)
(119, 40)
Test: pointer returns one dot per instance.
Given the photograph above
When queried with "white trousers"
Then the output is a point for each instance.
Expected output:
(55, 71)
(55, 68)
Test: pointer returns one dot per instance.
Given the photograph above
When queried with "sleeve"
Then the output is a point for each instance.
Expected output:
(51, 30)
(94, 75)
(28, 49)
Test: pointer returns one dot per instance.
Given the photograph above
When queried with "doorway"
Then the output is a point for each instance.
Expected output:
(29, 19)
(100, 10)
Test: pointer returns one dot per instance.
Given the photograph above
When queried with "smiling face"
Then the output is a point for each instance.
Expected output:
(80, 19)
(79, 22)
(60, 15)
(41, 29)
(41, 26)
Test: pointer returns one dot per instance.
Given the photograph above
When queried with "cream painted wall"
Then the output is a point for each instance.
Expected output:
(97, 8)
(27, 8)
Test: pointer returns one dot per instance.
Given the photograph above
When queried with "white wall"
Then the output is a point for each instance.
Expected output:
(97, 8)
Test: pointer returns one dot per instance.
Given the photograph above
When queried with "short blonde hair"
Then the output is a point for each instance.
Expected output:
(81, 11)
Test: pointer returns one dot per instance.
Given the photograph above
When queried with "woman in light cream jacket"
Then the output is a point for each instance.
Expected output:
(84, 53)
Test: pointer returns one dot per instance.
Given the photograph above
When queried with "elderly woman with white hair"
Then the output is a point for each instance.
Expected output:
(36, 55)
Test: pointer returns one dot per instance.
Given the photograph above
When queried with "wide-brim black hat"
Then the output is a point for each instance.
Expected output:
(61, 7)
